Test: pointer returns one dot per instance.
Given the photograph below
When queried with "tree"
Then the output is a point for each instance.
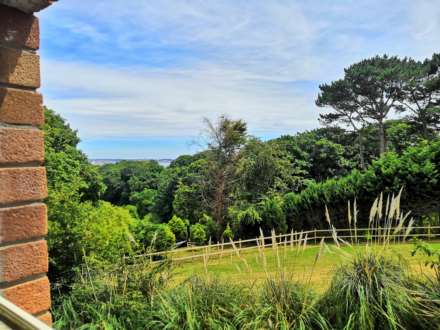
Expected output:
(79, 224)
(192, 198)
(327, 159)
(225, 139)
(144, 201)
(198, 234)
(65, 163)
(338, 96)
(257, 170)
(127, 177)
(421, 95)
(369, 90)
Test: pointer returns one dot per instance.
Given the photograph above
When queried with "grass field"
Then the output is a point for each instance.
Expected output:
(250, 266)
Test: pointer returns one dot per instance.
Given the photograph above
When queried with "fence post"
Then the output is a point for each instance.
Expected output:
(315, 236)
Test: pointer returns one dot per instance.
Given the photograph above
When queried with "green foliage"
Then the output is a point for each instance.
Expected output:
(272, 214)
(198, 234)
(228, 234)
(157, 237)
(417, 170)
(371, 293)
(105, 232)
(246, 220)
(211, 227)
(189, 197)
(287, 305)
(73, 182)
(144, 201)
(179, 227)
(111, 296)
(82, 229)
(168, 183)
(66, 164)
(328, 160)
(433, 256)
(199, 304)
(126, 178)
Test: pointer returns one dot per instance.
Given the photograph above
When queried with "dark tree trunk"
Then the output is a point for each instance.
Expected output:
(382, 138)
(361, 150)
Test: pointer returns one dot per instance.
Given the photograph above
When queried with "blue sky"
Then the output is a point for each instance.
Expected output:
(137, 77)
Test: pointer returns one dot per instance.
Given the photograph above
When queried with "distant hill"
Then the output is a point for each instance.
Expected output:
(100, 162)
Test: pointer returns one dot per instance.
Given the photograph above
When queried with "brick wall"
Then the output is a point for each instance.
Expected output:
(23, 216)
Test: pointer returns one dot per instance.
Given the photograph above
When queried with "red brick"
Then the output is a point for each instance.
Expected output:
(21, 145)
(46, 318)
(32, 296)
(19, 68)
(18, 29)
(22, 222)
(21, 107)
(23, 260)
(22, 184)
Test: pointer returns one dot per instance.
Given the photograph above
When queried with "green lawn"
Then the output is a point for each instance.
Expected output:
(250, 268)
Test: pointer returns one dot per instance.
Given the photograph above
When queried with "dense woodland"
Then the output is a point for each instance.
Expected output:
(379, 133)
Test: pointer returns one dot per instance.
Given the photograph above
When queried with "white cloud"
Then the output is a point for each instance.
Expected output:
(111, 102)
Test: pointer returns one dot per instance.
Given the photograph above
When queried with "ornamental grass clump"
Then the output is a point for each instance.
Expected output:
(200, 304)
(284, 304)
(371, 292)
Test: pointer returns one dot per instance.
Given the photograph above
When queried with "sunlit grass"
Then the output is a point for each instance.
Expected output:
(297, 266)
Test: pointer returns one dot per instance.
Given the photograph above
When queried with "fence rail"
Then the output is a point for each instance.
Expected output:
(294, 239)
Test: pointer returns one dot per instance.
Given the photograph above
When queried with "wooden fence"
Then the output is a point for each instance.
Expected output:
(303, 238)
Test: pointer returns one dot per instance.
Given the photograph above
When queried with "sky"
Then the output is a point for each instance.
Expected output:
(137, 77)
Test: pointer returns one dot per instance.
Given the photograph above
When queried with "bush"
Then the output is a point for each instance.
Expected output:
(198, 234)
(246, 220)
(179, 227)
(111, 296)
(228, 234)
(211, 227)
(272, 214)
(157, 237)
(82, 229)
(106, 232)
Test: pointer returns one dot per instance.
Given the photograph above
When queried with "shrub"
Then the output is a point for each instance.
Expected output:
(158, 237)
(211, 227)
(228, 234)
(179, 227)
(82, 229)
(111, 296)
(198, 234)
(246, 220)
(272, 214)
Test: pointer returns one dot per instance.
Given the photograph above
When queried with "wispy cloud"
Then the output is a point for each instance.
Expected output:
(117, 102)
(154, 68)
